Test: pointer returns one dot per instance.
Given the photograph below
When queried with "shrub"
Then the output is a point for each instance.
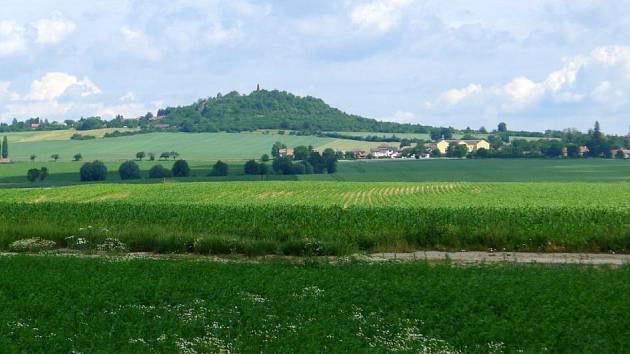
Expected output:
(35, 244)
(112, 245)
(129, 170)
(32, 175)
(77, 157)
(93, 171)
(264, 158)
(219, 169)
(181, 169)
(43, 173)
(251, 167)
(158, 171)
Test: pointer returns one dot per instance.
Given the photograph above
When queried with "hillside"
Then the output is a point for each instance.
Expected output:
(264, 109)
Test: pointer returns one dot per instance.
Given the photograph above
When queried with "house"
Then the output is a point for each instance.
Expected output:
(384, 151)
(625, 152)
(34, 125)
(472, 145)
(286, 152)
(359, 154)
(582, 150)
(4, 160)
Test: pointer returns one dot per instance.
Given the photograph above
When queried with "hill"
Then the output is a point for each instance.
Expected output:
(263, 109)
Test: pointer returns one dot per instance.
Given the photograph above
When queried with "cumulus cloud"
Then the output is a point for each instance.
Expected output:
(402, 117)
(218, 34)
(12, 38)
(383, 15)
(455, 96)
(53, 31)
(613, 56)
(138, 44)
(53, 85)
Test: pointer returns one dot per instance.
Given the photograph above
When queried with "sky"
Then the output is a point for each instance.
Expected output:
(534, 64)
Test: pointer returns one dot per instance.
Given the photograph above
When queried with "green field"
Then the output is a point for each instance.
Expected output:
(435, 170)
(191, 146)
(69, 304)
(297, 218)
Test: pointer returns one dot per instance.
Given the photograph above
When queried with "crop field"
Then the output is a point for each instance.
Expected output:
(198, 146)
(73, 304)
(318, 218)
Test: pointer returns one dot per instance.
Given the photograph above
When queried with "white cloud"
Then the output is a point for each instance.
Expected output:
(12, 38)
(402, 117)
(53, 31)
(383, 15)
(455, 96)
(5, 92)
(53, 85)
(128, 97)
(218, 35)
(613, 55)
(139, 44)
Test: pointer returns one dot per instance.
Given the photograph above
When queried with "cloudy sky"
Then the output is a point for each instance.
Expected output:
(534, 64)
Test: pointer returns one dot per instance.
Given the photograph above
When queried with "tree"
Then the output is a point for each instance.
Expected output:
(32, 175)
(301, 152)
(481, 153)
(140, 155)
(330, 160)
(264, 158)
(129, 170)
(457, 150)
(5, 148)
(151, 156)
(219, 169)
(33, 157)
(596, 143)
(93, 171)
(436, 153)
(502, 127)
(275, 149)
(77, 157)
(158, 171)
(54, 157)
(181, 169)
(165, 155)
(251, 167)
(43, 173)
(174, 155)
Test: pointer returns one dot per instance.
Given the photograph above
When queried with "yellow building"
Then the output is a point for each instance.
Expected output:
(471, 145)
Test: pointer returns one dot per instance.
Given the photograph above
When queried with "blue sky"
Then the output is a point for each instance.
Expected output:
(534, 64)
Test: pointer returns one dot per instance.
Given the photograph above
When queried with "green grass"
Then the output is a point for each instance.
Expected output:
(301, 218)
(66, 304)
(441, 170)
(490, 170)
(201, 146)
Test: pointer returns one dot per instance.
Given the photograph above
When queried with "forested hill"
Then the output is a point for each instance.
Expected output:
(264, 109)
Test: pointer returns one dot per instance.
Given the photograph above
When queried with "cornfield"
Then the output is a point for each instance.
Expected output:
(327, 217)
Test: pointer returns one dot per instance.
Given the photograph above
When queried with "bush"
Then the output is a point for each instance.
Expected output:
(129, 170)
(251, 167)
(93, 171)
(158, 171)
(78, 136)
(32, 245)
(219, 169)
(32, 175)
(43, 173)
(77, 157)
(112, 245)
(181, 169)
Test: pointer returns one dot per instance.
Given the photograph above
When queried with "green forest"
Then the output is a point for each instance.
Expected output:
(264, 109)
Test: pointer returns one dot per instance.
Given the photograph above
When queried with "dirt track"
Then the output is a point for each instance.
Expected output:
(516, 257)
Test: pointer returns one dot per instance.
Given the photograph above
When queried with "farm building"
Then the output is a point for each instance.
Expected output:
(471, 145)
(286, 152)
(625, 152)
(384, 150)
(359, 154)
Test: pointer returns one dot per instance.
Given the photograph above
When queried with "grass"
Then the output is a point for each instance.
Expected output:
(68, 304)
(304, 218)
(440, 170)
(200, 146)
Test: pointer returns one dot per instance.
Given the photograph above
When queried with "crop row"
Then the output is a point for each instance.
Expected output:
(325, 217)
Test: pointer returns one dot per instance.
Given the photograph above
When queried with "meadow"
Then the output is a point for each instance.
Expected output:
(325, 218)
(191, 146)
(115, 305)
(434, 170)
